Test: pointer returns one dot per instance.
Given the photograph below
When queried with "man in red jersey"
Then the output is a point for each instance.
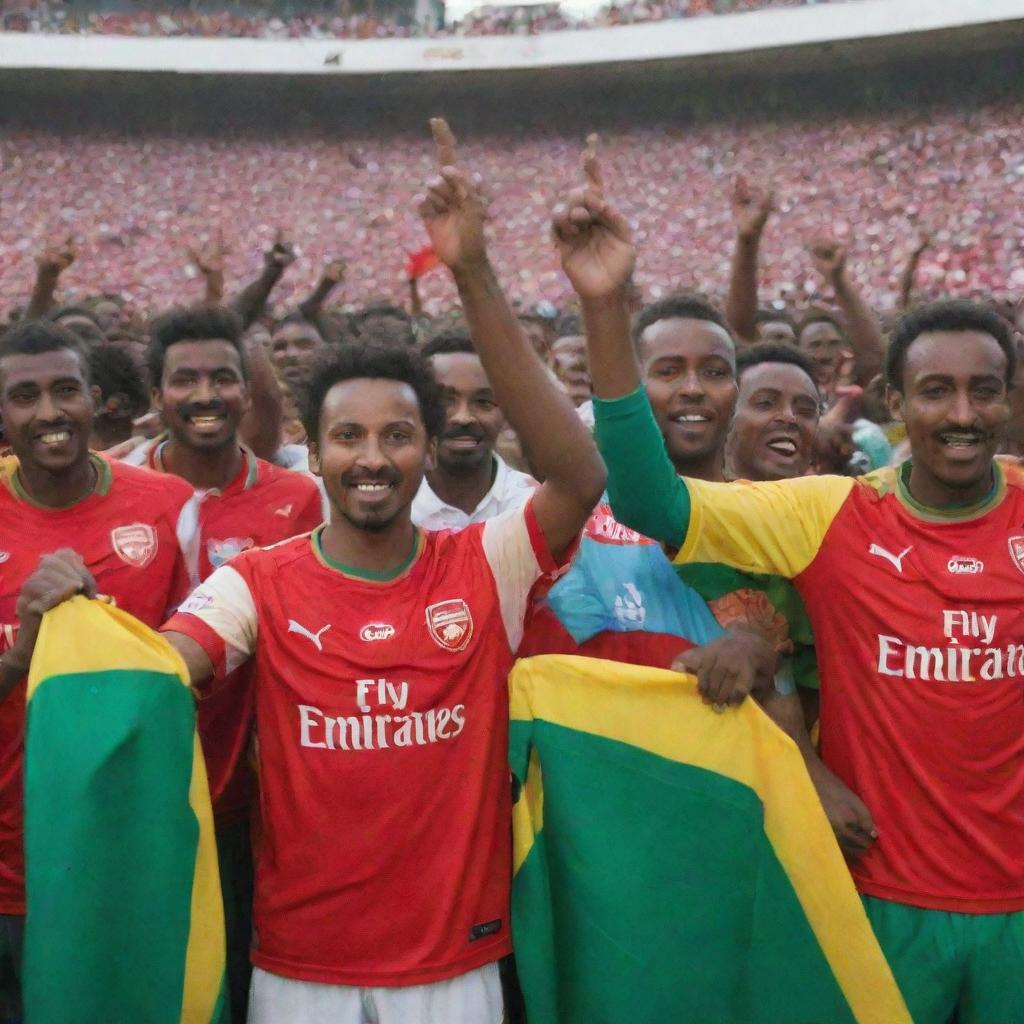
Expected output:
(911, 577)
(380, 655)
(124, 524)
(241, 502)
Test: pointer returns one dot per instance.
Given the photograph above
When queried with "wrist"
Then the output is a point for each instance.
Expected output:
(748, 239)
(474, 269)
(15, 662)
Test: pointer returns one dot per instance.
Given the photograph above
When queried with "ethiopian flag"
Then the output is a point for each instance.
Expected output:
(124, 921)
(673, 864)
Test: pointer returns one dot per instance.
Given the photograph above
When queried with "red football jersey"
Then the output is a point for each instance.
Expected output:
(261, 506)
(382, 715)
(919, 624)
(127, 533)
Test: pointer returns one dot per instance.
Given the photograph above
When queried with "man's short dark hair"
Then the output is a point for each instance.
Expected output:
(116, 372)
(37, 337)
(66, 311)
(767, 315)
(774, 352)
(195, 323)
(946, 315)
(684, 306)
(454, 340)
(817, 315)
(374, 361)
(568, 325)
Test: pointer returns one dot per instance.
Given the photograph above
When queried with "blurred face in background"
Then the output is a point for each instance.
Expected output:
(569, 361)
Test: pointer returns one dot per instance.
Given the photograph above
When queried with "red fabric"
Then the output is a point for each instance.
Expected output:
(420, 262)
(384, 786)
(135, 497)
(922, 699)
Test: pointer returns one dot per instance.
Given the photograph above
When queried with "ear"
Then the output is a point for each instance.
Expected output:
(156, 398)
(97, 397)
(894, 403)
(430, 463)
(314, 458)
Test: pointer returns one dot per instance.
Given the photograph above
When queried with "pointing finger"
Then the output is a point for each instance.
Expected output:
(444, 140)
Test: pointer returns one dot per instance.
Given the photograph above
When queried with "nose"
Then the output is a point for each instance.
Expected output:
(371, 455)
(48, 408)
(691, 385)
(962, 411)
(204, 391)
(459, 413)
(785, 414)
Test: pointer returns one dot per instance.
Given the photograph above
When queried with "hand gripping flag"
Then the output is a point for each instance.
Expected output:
(674, 864)
(124, 920)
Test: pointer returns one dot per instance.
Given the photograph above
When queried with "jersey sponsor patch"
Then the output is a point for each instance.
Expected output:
(374, 631)
(221, 551)
(450, 624)
(135, 543)
(961, 565)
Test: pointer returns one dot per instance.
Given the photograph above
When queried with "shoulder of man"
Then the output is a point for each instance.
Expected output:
(168, 490)
(286, 480)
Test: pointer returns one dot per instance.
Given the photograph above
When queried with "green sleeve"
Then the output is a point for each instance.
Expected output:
(646, 493)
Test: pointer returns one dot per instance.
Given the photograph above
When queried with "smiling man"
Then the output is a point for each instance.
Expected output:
(469, 482)
(240, 502)
(123, 524)
(777, 414)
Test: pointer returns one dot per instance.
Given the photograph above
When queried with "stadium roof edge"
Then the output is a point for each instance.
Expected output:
(806, 35)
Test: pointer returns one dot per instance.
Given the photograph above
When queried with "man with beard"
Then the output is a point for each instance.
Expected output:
(240, 502)
(123, 524)
(469, 482)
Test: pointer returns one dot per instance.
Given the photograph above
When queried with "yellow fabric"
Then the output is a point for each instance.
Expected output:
(662, 713)
(106, 639)
(762, 527)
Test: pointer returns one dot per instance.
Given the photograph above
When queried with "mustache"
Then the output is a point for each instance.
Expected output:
(205, 409)
(460, 433)
(383, 476)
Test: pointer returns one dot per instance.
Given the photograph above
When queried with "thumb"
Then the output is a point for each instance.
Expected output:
(688, 661)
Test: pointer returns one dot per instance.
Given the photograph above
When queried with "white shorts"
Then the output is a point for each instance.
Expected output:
(473, 998)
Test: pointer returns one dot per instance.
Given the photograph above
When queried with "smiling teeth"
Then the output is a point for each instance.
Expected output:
(691, 419)
(205, 421)
(372, 487)
(57, 437)
(960, 440)
(782, 447)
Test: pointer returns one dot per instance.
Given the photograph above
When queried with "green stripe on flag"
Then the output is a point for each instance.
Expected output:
(122, 923)
(674, 864)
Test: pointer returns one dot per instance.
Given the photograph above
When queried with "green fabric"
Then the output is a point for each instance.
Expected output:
(110, 847)
(665, 895)
(963, 967)
(645, 491)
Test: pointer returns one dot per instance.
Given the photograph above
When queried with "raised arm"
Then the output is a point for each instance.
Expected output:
(253, 298)
(862, 326)
(261, 426)
(559, 443)
(330, 278)
(596, 249)
(910, 270)
(751, 207)
(50, 264)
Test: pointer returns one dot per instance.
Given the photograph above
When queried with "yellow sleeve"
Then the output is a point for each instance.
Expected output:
(762, 527)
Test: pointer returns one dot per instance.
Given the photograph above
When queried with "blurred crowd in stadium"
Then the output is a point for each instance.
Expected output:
(950, 183)
(345, 22)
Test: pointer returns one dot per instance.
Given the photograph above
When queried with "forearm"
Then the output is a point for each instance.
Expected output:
(741, 302)
(261, 425)
(613, 367)
(538, 411)
(415, 302)
(13, 668)
(646, 493)
(41, 300)
(214, 293)
(907, 280)
(310, 306)
(864, 331)
(251, 300)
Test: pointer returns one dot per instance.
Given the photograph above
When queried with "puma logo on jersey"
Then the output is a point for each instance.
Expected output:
(313, 638)
(895, 560)
(284, 510)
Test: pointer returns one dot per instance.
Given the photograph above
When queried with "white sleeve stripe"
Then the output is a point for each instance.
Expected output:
(514, 566)
(224, 602)
(187, 530)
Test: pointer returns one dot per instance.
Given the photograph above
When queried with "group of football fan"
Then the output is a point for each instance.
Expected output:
(349, 528)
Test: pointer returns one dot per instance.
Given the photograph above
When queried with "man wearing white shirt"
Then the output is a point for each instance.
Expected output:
(469, 482)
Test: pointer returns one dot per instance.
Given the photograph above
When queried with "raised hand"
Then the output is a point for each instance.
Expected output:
(334, 272)
(58, 256)
(593, 239)
(453, 209)
(751, 208)
(829, 259)
(282, 254)
(209, 256)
